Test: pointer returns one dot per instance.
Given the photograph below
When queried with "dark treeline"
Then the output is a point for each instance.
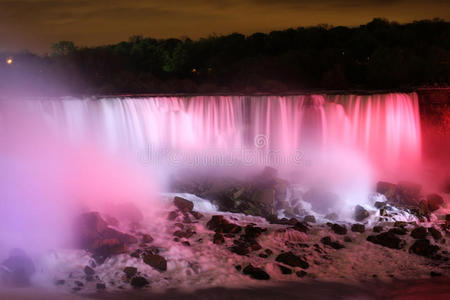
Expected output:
(378, 55)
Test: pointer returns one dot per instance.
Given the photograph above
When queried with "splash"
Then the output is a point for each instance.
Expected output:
(47, 180)
(60, 156)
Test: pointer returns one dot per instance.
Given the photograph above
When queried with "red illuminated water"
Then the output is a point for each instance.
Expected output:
(383, 130)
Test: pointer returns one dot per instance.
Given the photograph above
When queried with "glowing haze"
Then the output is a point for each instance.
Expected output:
(36, 24)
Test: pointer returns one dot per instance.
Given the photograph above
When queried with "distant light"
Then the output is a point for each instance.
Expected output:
(9, 61)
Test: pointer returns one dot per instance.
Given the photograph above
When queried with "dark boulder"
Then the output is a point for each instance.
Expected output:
(380, 204)
(100, 286)
(333, 244)
(256, 273)
(386, 188)
(147, 238)
(130, 271)
(292, 260)
(377, 229)
(183, 204)
(221, 225)
(338, 229)
(424, 248)
(398, 230)
(172, 216)
(156, 261)
(139, 282)
(302, 227)
(94, 235)
(387, 239)
(419, 233)
(358, 228)
(434, 202)
(89, 271)
(301, 274)
(218, 239)
(284, 270)
(360, 213)
(435, 233)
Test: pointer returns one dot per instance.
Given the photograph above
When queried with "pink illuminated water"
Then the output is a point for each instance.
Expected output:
(58, 155)
(384, 129)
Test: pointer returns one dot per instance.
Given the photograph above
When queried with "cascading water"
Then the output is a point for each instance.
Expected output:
(384, 129)
(339, 142)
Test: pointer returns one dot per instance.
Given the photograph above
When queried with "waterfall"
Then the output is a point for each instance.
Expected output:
(382, 128)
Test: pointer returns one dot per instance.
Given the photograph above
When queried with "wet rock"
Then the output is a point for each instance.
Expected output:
(106, 248)
(218, 239)
(147, 238)
(183, 204)
(302, 227)
(268, 251)
(333, 244)
(404, 194)
(130, 271)
(386, 188)
(94, 235)
(398, 230)
(196, 215)
(156, 261)
(310, 219)
(338, 229)
(360, 213)
(380, 204)
(358, 228)
(419, 233)
(89, 271)
(301, 274)
(100, 286)
(256, 273)
(253, 232)
(139, 282)
(387, 239)
(400, 224)
(221, 225)
(172, 216)
(284, 270)
(378, 229)
(435, 233)
(17, 269)
(435, 274)
(292, 260)
(423, 248)
(137, 253)
(184, 233)
(434, 202)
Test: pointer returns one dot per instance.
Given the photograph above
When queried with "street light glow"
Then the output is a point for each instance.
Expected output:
(9, 61)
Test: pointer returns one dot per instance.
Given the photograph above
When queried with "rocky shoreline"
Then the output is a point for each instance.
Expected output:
(399, 235)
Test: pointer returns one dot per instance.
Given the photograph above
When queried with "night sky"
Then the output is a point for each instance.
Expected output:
(36, 24)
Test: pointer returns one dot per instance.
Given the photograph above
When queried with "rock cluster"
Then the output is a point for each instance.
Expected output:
(94, 235)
